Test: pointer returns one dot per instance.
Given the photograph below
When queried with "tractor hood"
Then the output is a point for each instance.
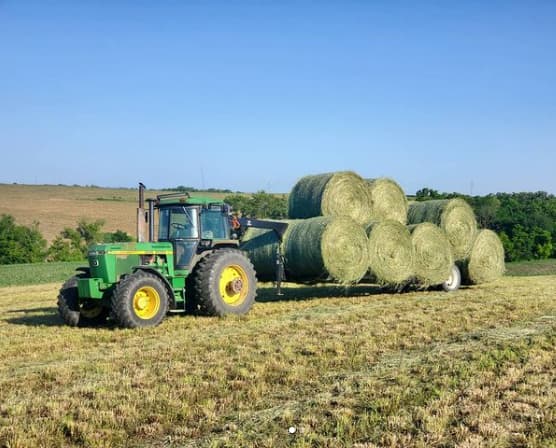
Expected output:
(109, 261)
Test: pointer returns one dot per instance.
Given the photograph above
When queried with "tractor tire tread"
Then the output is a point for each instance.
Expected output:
(68, 302)
(122, 298)
(206, 277)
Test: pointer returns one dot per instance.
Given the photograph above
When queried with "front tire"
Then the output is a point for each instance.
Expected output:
(225, 283)
(86, 313)
(454, 281)
(140, 300)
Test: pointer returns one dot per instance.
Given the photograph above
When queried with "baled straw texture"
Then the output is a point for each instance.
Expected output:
(388, 200)
(486, 262)
(454, 216)
(433, 254)
(391, 258)
(261, 246)
(326, 247)
(333, 194)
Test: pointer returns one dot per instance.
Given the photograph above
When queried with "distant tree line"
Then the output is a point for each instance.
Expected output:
(196, 190)
(259, 205)
(22, 244)
(525, 222)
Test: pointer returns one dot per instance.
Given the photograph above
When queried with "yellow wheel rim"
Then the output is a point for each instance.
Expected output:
(233, 285)
(146, 302)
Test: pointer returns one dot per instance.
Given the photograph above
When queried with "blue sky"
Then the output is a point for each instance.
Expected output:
(251, 95)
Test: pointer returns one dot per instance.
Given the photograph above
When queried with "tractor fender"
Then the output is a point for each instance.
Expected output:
(171, 294)
(200, 256)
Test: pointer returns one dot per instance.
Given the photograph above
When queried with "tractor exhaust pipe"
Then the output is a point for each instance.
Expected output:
(141, 214)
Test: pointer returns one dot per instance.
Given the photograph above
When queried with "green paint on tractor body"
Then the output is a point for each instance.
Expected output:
(188, 227)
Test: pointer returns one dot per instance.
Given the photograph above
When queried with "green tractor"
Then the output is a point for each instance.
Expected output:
(194, 266)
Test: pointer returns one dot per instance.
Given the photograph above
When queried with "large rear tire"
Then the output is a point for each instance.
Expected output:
(225, 283)
(86, 313)
(140, 300)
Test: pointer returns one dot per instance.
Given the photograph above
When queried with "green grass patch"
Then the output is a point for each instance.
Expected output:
(531, 267)
(37, 273)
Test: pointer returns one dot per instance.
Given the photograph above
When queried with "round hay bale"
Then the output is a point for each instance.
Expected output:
(261, 246)
(433, 254)
(333, 194)
(388, 200)
(454, 216)
(326, 247)
(486, 262)
(391, 259)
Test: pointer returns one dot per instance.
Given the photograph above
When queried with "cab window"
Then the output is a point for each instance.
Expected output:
(214, 225)
(178, 223)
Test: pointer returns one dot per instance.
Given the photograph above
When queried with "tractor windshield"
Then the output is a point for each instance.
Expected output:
(178, 223)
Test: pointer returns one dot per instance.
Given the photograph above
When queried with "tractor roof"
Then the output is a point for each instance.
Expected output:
(185, 199)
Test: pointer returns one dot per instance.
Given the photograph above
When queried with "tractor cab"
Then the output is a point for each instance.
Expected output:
(193, 226)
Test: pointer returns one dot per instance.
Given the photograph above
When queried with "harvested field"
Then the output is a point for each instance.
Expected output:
(344, 367)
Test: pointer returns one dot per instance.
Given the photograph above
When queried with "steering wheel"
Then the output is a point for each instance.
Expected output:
(177, 226)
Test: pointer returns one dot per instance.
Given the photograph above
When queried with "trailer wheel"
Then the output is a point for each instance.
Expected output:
(140, 300)
(225, 283)
(454, 281)
(87, 313)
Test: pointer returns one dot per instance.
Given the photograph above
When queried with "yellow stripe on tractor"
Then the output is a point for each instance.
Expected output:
(139, 252)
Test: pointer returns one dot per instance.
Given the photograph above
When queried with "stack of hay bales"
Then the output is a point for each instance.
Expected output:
(343, 227)
(378, 204)
(478, 253)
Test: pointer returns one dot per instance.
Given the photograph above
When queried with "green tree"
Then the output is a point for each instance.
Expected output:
(240, 203)
(90, 232)
(64, 250)
(542, 243)
(72, 244)
(267, 205)
(508, 246)
(119, 236)
(426, 193)
(20, 244)
(486, 209)
(259, 205)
